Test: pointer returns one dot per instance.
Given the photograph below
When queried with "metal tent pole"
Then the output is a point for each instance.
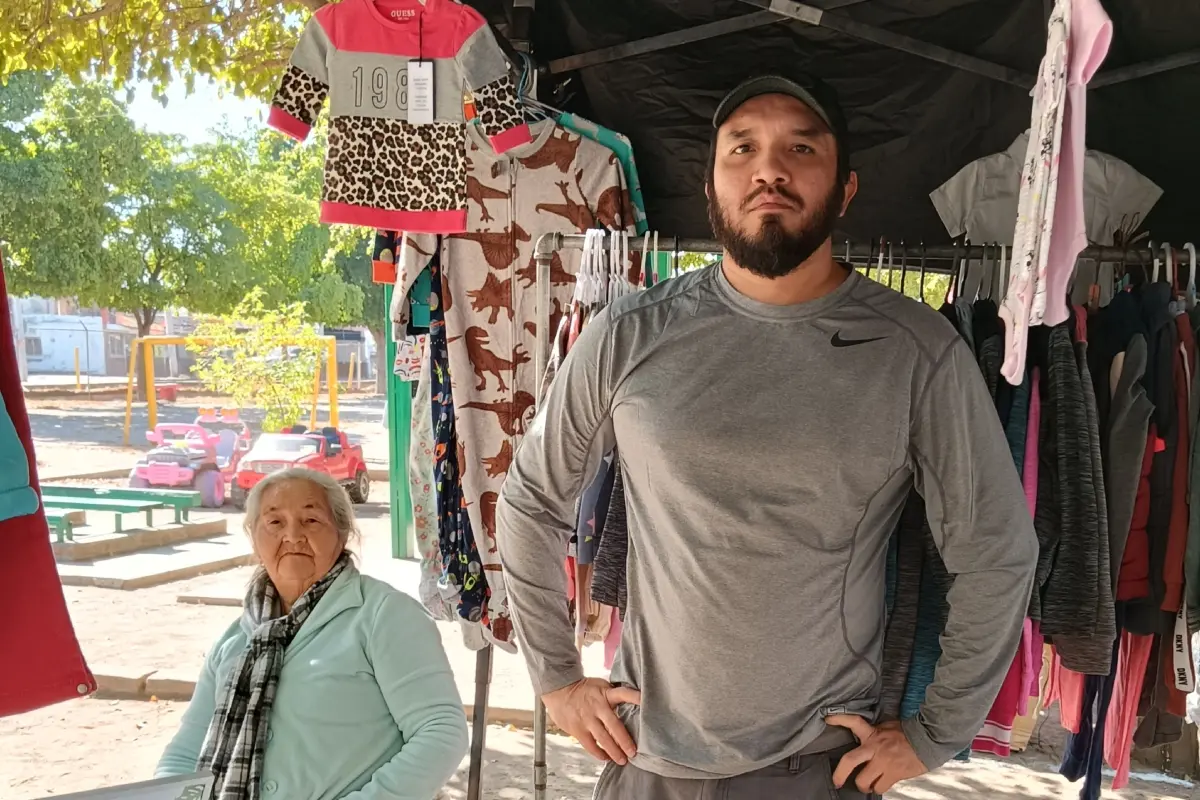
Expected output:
(543, 253)
(483, 681)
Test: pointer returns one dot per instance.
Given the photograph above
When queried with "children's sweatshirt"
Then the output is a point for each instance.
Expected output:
(382, 171)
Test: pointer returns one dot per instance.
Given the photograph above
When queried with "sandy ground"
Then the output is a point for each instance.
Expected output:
(88, 743)
(83, 744)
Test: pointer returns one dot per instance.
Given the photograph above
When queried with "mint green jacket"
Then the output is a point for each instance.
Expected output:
(367, 708)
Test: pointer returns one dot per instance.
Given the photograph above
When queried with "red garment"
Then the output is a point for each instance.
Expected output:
(1178, 532)
(40, 659)
(996, 735)
(1133, 580)
(1132, 660)
(1066, 687)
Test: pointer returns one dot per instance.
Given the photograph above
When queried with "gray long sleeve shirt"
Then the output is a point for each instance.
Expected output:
(767, 452)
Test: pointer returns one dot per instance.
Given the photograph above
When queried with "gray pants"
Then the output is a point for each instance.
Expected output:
(800, 777)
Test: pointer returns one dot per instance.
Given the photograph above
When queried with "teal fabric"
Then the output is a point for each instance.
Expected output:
(17, 497)
(367, 707)
(624, 152)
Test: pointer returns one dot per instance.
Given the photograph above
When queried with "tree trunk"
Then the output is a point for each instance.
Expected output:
(145, 319)
(382, 368)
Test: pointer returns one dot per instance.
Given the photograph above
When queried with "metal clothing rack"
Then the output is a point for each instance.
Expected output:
(938, 259)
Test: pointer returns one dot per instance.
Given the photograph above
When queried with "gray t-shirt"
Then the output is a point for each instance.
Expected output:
(767, 452)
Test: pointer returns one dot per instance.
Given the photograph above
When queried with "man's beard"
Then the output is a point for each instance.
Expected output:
(775, 251)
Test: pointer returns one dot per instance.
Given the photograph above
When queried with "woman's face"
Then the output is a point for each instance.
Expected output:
(295, 537)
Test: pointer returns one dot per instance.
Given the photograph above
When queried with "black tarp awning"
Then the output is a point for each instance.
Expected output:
(913, 122)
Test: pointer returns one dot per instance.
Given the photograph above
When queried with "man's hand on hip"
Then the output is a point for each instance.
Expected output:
(585, 711)
(883, 752)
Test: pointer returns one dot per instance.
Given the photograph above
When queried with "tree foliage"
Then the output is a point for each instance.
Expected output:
(261, 356)
(98, 209)
(243, 43)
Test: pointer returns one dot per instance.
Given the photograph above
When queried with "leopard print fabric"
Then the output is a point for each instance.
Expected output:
(392, 165)
(301, 95)
(498, 106)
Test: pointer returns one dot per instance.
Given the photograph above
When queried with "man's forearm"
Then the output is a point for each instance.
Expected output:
(533, 557)
(983, 631)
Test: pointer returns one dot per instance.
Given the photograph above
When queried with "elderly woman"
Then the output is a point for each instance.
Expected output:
(332, 684)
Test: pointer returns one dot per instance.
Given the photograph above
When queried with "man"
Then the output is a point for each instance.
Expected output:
(771, 414)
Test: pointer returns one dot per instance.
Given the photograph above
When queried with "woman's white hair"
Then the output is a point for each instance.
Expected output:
(339, 501)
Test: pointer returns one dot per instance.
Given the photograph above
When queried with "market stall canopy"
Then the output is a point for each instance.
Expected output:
(914, 120)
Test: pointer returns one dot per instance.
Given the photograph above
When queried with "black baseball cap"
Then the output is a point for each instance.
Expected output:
(813, 92)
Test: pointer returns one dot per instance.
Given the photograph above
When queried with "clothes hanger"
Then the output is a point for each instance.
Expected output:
(870, 257)
(891, 265)
(1157, 262)
(654, 263)
(1170, 259)
(1190, 292)
(903, 264)
(645, 255)
(849, 263)
(921, 279)
(675, 258)
(879, 266)
(1002, 290)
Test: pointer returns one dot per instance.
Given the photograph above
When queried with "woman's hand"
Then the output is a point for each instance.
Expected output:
(883, 752)
(585, 711)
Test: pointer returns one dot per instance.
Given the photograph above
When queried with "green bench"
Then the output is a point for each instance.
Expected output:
(63, 523)
(182, 500)
(118, 507)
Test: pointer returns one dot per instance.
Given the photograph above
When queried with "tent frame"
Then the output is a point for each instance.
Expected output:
(775, 11)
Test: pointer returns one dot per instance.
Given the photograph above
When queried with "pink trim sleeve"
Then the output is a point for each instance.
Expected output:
(285, 123)
(513, 137)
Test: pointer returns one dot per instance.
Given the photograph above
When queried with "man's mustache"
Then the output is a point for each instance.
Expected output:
(776, 190)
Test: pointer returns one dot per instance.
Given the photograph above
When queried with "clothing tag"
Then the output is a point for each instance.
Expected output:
(1185, 669)
(409, 354)
(420, 92)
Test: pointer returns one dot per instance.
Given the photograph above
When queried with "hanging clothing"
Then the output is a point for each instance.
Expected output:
(558, 183)
(1092, 651)
(623, 149)
(1083, 755)
(50, 666)
(1128, 427)
(464, 581)
(980, 200)
(1039, 187)
(385, 167)
(1132, 661)
(424, 500)
(608, 582)
(1087, 45)
(905, 581)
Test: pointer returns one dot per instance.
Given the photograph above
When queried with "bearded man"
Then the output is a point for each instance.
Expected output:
(771, 414)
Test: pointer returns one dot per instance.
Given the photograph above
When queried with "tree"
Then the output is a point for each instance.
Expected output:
(350, 255)
(124, 219)
(245, 44)
(260, 356)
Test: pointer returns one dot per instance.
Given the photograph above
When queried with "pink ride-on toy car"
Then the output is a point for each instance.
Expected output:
(233, 435)
(186, 457)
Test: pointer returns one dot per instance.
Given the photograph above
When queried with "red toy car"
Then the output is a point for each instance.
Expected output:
(328, 451)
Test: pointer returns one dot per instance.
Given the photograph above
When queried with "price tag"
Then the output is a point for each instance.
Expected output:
(420, 92)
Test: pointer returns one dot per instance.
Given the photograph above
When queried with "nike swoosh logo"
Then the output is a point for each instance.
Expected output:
(838, 341)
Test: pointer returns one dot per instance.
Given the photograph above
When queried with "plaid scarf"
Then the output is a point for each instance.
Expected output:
(237, 735)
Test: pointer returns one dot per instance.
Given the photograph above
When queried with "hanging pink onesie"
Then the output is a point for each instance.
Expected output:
(1089, 39)
(1132, 660)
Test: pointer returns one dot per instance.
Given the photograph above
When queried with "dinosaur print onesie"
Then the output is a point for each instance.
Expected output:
(558, 183)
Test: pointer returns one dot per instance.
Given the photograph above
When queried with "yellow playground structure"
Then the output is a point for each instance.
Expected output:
(144, 347)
